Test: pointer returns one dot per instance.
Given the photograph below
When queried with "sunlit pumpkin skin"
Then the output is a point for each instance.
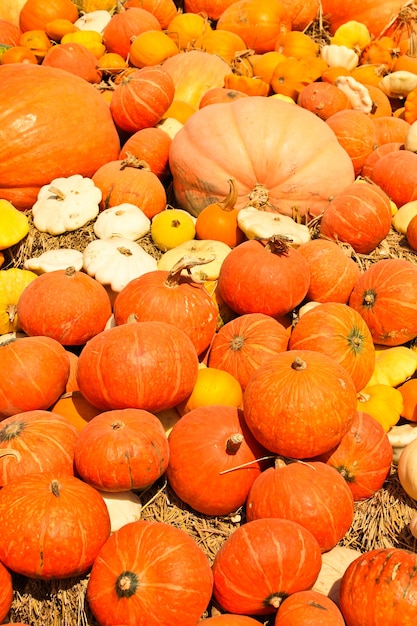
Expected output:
(152, 146)
(132, 182)
(126, 24)
(67, 305)
(6, 592)
(263, 132)
(9, 33)
(323, 99)
(36, 441)
(172, 298)
(333, 273)
(212, 8)
(308, 608)
(258, 278)
(74, 58)
(356, 133)
(213, 386)
(386, 296)
(167, 579)
(307, 493)
(63, 538)
(130, 450)
(244, 343)
(301, 13)
(219, 221)
(378, 153)
(214, 438)
(360, 216)
(219, 95)
(74, 407)
(141, 98)
(36, 370)
(132, 365)
(35, 15)
(56, 144)
(373, 14)
(339, 331)
(378, 587)
(299, 403)
(363, 457)
(394, 173)
(231, 619)
(163, 10)
(261, 563)
(391, 129)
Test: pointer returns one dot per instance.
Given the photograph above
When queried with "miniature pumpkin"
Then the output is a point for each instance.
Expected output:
(393, 172)
(323, 99)
(167, 569)
(14, 225)
(126, 24)
(290, 402)
(171, 228)
(213, 386)
(219, 220)
(124, 220)
(309, 605)
(383, 402)
(72, 520)
(261, 563)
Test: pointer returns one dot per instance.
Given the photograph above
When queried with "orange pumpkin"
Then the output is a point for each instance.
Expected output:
(222, 42)
(185, 29)
(123, 26)
(74, 58)
(19, 54)
(248, 84)
(264, 64)
(381, 104)
(213, 386)
(379, 52)
(75, 408)
(221, 94)
(323, 99)
(163, 10)
(37, 41)
(303, 607)
(296, 44)
(150, 145)
(36, 14)
(391, 129)
(374, 14)
(151, 47)
(356, 133)
(218, 221)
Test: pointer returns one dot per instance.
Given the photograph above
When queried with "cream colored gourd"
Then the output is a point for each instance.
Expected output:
(257, 224)
(170, 125)
(94, 20)
(115, 262)
(213, 252)
(334, 565)
(124, 220)
(411, 138)
(66, 204)
(413, 526)
(168, 419)
(357, 93)
(124, 507)
(399, 437)
(407, 469)
(55, 259)
(403, 216)
(339, 56)
(398, 84)
(14, 225)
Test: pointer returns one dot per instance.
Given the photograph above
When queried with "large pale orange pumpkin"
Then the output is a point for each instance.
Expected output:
(50, 120)
(283, 153)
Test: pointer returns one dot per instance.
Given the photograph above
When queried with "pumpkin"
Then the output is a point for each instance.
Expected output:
(323, 99)
(130, 450)
(257, 23)
(67, 305)
(356, 133)
(244, 343)
(212, 8)
(37, 41)
(57, 144)
(12, 282)
(379, 586)
(372, 13)
(219, 220)
(391, 129)
(334, 564)
(36, 441)
(171, 298)
(18, 54)
(163, 10)
(152, 146)
(307, 606)
(215, 439)
(301, 12)
(36, 370)
(261, 563)
(151, 47)
(126, 24)
(185, 29)
(385, 295)
(383, 402)
(210, 251)
(73, 406)
(148, 352)
(194, 73)
(6, 592)
(221, 94)
(299, 403)
(35, 14)
(130, 181)
(172, 228)
(363, 457)
(10, 10)
(312, 494)
(229, 619)
(167, 570)
(394, 173)
(376, 154)
(222, 42)
(74, 58)
(213, 386)
(411, 234)
(260, 278)
(261, 130)
(340, 332)
(333, 273)
(360, 215)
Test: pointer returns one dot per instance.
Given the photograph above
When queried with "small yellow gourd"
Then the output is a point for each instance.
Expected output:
(403, 216)
(12, 282)
(383, 402)
(352, 34)
(14, 225)
(171, 228)
(393, 365)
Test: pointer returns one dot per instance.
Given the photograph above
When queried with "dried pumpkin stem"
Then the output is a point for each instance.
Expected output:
(233, 443)
(298, 364)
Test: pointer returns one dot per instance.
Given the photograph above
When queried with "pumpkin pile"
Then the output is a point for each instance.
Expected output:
(208, 290)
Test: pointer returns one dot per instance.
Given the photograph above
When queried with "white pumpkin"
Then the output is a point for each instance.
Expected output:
(334, 565)
(52, 260)
(399, 437)
(124, 220)
(214, 252)
(115, 262)
(124, 507)
(407, 469)
(257, 224)
(93, 20)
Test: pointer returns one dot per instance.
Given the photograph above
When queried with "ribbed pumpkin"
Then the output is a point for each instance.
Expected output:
(312, 494)
(386, 296)
(67, 305)
(215, 439)
(245, 140)
(165, 579)
(395, 174)
(261, 563)
(363, 457)
(132, 366)
(356, 133)
(56, 144)
(308, 607)
(244, 343)
(36, 441)
(340, 332)
(126, 24)
(35, 373)
(63, 538)
(299, 403)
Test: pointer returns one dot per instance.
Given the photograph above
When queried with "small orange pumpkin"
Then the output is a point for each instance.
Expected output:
(252, 86)
(36, 14)
(218, 220)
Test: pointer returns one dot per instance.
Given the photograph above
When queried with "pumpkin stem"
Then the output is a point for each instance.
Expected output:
(117, 425)
(70, 271)
(363, 397)
(11, 431)
(185, 263)
(298, 364)
(54, 487)
(132, 160)
(57, 194)
(278, 244)
(259, 198)
(126, 584)
(11, 452)
(234, 442)
(125, 251)
(228, 204)
(369, 298)
(275, 600)
(11, 311)
(237, 343)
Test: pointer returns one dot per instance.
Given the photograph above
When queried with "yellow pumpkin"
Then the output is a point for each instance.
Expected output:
(383, 402)
(90, 39)
(151, 47)
(171, 228)
(213, 386)
(12, 283)
(14, 225)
